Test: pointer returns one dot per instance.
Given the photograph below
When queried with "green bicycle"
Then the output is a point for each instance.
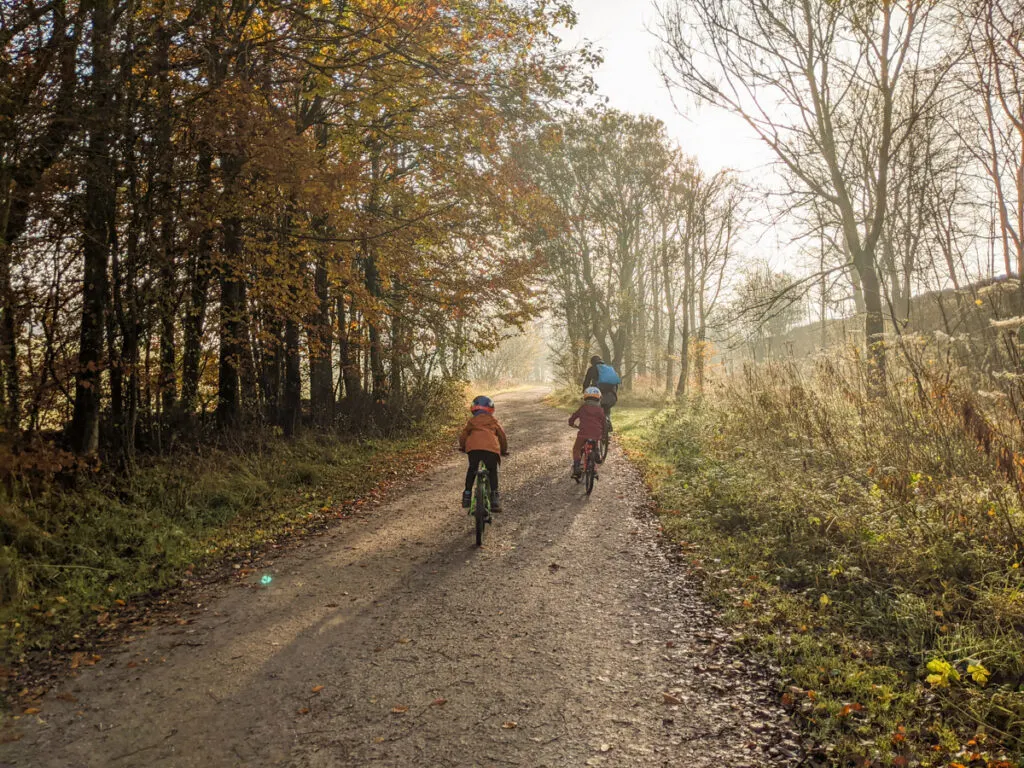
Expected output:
(480, 505)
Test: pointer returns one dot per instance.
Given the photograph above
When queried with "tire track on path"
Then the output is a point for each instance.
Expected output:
(551, 646)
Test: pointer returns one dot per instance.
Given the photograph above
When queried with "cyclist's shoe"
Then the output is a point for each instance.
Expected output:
(467, 497)
(576, 470)
(495, 502)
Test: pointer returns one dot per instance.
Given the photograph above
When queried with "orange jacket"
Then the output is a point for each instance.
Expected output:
(483, 433)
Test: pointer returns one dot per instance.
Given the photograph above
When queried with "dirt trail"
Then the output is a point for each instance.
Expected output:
(551, 646)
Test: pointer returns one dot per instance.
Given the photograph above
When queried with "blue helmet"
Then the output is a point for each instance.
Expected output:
(482, 404)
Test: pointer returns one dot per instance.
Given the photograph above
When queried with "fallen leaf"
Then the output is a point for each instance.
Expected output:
(405, 641)
(317, 688)
(76, 660)
(304, 711)
(606, 747)
(438, 702)
(379, 740)
(32, 711)
(509, 725)
(399, 710)
(668, 698)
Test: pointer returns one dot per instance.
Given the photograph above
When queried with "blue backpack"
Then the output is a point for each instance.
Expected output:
(607, 375)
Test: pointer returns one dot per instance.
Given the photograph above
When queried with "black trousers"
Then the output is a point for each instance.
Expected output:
(490, 460)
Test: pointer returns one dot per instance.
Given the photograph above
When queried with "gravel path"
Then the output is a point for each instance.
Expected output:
(392, 641)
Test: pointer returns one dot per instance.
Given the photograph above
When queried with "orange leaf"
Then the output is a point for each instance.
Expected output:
(317, 688)
(399, 710)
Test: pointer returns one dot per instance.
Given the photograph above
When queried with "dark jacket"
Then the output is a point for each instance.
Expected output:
(591, 421)
(590, 380)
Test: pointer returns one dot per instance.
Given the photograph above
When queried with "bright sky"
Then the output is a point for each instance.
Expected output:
(629, 78)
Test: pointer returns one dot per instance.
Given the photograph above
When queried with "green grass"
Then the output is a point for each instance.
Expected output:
(68, 557)
(869, 548)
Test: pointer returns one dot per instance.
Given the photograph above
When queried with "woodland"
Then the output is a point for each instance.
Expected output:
(251, 252)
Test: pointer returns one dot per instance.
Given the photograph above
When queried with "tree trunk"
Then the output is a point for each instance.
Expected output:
(684, 358)
(874, 318)
(321, 381)
(233, 329)
(10, 382)
(372, 279)
(97, 229)
(292, 409)
(199, 291)
(165, 201)
(349, 364)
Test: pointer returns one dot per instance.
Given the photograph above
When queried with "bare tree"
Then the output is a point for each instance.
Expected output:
(825, 84)
(992, 31)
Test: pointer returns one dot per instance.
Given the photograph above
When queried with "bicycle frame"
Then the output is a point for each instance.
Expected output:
(590, 454)
(480, 505)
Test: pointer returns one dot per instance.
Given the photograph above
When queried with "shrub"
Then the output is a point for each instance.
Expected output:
(861, 536)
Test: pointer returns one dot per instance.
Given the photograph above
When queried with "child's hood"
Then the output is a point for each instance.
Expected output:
(483, 419)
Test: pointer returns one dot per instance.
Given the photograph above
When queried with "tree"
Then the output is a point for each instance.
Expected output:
(847, 83)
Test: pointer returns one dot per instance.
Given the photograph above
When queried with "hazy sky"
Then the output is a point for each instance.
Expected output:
(630, 79)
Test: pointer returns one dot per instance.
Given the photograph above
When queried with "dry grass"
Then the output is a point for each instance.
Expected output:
(870, 541)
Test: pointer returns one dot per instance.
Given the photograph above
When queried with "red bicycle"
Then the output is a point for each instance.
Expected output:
(588, 473)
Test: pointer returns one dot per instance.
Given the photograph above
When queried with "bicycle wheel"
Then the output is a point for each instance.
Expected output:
(602, 448)
(481, 502)
(590, 472)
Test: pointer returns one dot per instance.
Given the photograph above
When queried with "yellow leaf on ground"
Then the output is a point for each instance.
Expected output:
(317, 688)
(509, 725)
(399, 710)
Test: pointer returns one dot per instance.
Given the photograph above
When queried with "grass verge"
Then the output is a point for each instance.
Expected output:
(869, 547)
(69, 559)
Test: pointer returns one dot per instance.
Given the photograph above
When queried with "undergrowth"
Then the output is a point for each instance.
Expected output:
(870, 543)
(68, 556)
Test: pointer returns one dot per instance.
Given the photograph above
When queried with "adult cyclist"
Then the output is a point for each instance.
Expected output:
(606, 379)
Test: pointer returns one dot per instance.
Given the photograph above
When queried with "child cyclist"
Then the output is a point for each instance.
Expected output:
(484, 440)
(590, 417)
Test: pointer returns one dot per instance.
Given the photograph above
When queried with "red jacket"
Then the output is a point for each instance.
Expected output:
(483, 433)
(591, 420)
